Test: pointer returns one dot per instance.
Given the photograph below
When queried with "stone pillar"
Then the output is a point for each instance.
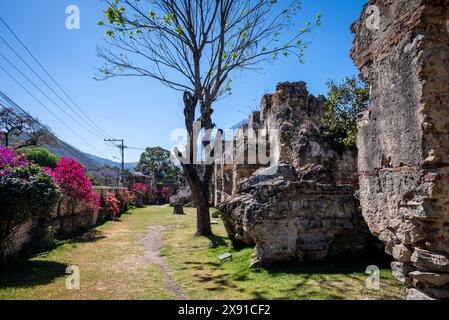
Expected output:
(245, 153)
(227, 179)
(218, 174)
(401, 48)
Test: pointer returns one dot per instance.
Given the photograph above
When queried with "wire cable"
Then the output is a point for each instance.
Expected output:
(51, 77)
(48, 109)
(97, 132)
(49, 133)
(44, 94)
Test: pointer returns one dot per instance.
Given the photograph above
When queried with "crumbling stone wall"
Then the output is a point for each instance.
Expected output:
(223, 179)
(294, 114)
(245, 152)
(403, 138)
(297, 208)
(66, 219)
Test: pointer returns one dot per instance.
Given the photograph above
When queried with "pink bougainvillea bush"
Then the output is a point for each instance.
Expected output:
(72, 181)
(166, 193)
(9, 159)
(110, 206)
(131, 197)
(141, 187)
(26, 192)
(126, 200)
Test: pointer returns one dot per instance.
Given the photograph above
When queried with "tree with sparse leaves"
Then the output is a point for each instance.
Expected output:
(197, 47)
(344, 102)
(20, 130)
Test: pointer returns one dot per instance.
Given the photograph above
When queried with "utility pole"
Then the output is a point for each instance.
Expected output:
(122, 147)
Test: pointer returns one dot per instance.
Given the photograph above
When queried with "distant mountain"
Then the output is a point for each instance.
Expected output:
(64, 149)
(89, 161)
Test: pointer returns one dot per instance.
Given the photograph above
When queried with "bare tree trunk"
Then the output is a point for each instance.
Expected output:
(199, 188)
(203, 227)
(203, 217)
(6, 137)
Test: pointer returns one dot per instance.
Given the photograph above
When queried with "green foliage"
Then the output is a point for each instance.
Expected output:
(344, 102)
(41, 157)
(159, 161)
(26, 192)
(92, 178)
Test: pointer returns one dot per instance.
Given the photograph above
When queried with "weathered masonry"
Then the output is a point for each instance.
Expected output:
(404, 137)
(66, 220)
(302, 207)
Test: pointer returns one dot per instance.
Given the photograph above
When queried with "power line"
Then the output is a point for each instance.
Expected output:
(37, 122)
(122, 148)
(44, 94)
(48, 109)
(135, 148)
(52, 79)
(97, 132)
(50, 133)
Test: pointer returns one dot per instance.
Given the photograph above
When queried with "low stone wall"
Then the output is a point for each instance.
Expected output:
(65, 220)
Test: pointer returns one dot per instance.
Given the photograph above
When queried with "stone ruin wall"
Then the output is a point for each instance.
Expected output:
(403, 138)
(298, 142)
(295, 113)
(65, 220)
(302, 207)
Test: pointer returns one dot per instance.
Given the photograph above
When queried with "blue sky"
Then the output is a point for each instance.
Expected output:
(142, 111)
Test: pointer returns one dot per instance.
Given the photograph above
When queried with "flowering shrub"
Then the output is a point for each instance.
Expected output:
(9, 159)
(123, 200)
(166, 193)
(141, 187)
(110, 205)
(127, 200)
(26, 191)
(131, 198)
(72, 181)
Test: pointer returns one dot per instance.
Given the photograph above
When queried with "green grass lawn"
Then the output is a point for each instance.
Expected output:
(112, 267)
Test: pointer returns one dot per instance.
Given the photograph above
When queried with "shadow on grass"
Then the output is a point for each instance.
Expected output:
(90, 236)
(335, 279)
(30, 273)
(217, 241)
(346, 264)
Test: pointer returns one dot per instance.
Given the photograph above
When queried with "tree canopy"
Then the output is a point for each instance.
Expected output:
(344, 102)
(159, 161)
(196, 45)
